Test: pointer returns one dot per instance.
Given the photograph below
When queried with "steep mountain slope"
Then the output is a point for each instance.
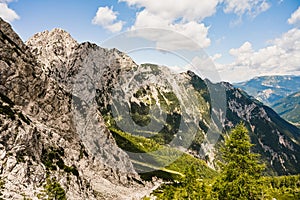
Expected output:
(289, 108)
(275, 139)
(42, 152)
(152, 112)
(269, 89)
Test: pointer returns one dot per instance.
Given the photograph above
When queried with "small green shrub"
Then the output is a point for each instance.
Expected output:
(52, 160)
(53, 190)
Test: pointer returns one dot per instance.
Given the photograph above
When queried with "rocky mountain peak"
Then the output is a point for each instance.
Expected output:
(57, 36)
(52, 48)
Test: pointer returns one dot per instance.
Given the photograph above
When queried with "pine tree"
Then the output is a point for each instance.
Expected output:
(241, 168)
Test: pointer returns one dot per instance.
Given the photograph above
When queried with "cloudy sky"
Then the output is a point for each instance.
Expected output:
(243, 38)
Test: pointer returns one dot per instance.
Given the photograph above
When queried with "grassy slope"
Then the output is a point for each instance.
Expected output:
(169, 164)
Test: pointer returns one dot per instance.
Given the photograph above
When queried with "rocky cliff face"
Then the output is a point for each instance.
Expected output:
(41, 150)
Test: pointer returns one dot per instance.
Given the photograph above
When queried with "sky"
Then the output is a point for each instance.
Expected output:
(240, 38)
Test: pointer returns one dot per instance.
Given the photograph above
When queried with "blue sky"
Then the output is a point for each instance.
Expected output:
(244, 38)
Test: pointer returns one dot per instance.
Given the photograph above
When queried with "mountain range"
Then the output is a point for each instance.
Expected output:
(269, 89)
(92, 124)
(278, 92)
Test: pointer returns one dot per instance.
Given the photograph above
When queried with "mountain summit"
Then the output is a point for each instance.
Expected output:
(52, 48)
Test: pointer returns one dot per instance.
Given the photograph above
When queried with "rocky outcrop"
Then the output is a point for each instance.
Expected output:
(53, 50)
(39, 142)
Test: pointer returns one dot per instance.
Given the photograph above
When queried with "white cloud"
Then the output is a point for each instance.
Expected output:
(244, 49)
(216, 57)
(185, 17)
(6, 13)
(182, 17)
(281, 56)
(107, 18)
(250, 7)
(172, 36)
(188, 10)
(295, 17)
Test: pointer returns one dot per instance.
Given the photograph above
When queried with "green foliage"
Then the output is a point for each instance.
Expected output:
(192, 186)
(133, 143)
(53, 190)
(71, 169)
(281, 188)
(187, 163)
(200, 86)
(174, 171)
(186, 173)
(51, 158)
(239, 177)
(241, 168)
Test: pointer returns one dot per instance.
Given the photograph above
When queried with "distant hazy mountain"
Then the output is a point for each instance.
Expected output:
(289, 108)
(269, 89)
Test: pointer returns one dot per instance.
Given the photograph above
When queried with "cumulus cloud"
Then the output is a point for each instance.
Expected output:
(281, 56)
(6, 13)
(173, 9)
(189, 35)
(183, 17)
(250, 7)
(243, 50)
(107, 18)
(295, 17)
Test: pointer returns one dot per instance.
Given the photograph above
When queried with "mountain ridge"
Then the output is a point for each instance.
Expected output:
(63, 101)
(269, 89)
(132, 66)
